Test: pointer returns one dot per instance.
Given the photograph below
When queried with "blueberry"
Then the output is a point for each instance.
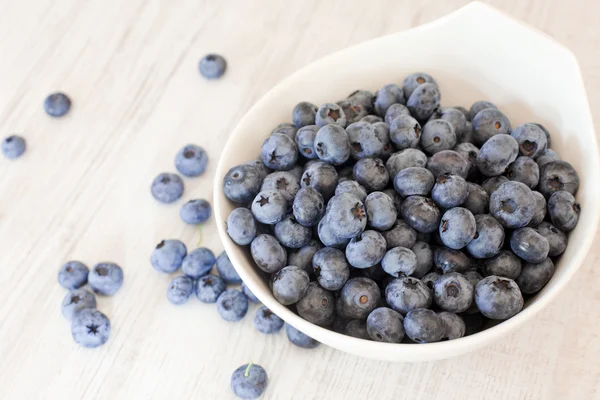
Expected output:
(467, 136)
(400, 234)
(420, 213)
(412, 81)
(450, 191)
(332, 144)
(346, 215)
(399, 261)
(525, 170)
(75, 301)
(463, 110)
(405, 132)
(330, 114)
(540, 208)
(453, 292)
(558, 175)
(290, 284)
(546, 133)
(531, 139)
(300, 339)
(381, 211)
(303, 256)
(317, 306)
(331, 268)
(456, 118)
(450, 260)
(437, 135)
(198, 263)
(241, 226)
(430, 278)
(395, 196)
(242, 183)
(195, 212)
(167, 188)
(366, 249)
(57, 104)
(385, 325)
(308, 207)
(180, 289)
(424, 326)
(498, 298)
(279, 152)
(191, 160)
(268, 254)
(358, 329)
(251, 296)
(513, 204)
(454, 325)
(106, 278)
(414, 181)
(209, 287)
(90, 328)
(407, 293)
(563, 210)
(283, 181)
(491, 184)
(358, 298)
(292, 234)
(352, 187)
(386, 96)
(305, 140)
(73, 275)
(321, 176)
(232, 305)
(546, 156)
(168, 256)
(226, 269)
(212, 66)
(557, 239)
(424, 256)
(394, 111)
(261, 168)
(269, 207)
(497, 154)
(534, 277)
(448, 161)
(13, 147)
(353, 110)
(423, 101)
(372, 119)
(457, 228)
(488, 123)
(363, 97)
(327, 237)
(478, 200)
(287, 129)
(529, 245)
(265, 321)
(505, 264)
(364, 140)
(371, 173)
(469, 152)
(249, 381)
(479, 106)
(488, 238)
(405, 159)
(304, 114)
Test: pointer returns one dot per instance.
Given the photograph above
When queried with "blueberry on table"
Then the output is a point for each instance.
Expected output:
(424, 255)
(479, 106)
(232, 305)
(358, 298)
(405, 132)
(265, 321)
(191, 160)
(448, 161)
(75, 301)
(534, 277)
(90, 328)
(424, 326)
(317, 306)
(454, 325)
(168, 256)
(291, 234)
(198, 262)
(394, 111)
(352, 187)
(195, 212)
(408, 293)
(331, 268)
(400, 234)
(488, 238)
(305, 140)
(563, 210)
(268, 254)
(558, 175)
(423, 101)
(346, 215)
(412, 81)
(321, 176)
(308, 207)
(414, 181)
(453, 292)
(498, 298)
(330, 114)
(525, 170)
(399, 261)
(364, 140)
(557, 239)
(209, 287)
(226, 270)
(57, 104)
(279, 152)
(496, 154)
(249, 381)
(488, 123)
(513, 204)
(304, 114)
(371, 173)
(450, 260)
(421, 213)
(167, 188)
(437, 135)
(457, 228)
(405, 159)
(269, 207)
(241, 226)
(366, 249)
(531, 138)
(303, 256)
(385, 325)
(358, 329)
(381, 211)
(180, 289)
(478, 200)
(106, 278)
(387, 96)
(242, 183)
(332, 144)
(212, 66)
(300, 339)
(529, 245)
(450, 191)
(13, 147)
(73, 275)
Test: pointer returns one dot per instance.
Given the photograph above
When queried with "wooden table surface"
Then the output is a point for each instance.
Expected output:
(82, 192)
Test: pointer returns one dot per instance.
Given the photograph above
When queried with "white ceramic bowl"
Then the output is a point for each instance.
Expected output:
(475, 53)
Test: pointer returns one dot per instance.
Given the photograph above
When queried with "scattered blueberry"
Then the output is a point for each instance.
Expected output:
(212, 66)
(251, 296)
(180, 289)
(77, 300)
(168, 256)
(300, 339)
(195, 212)
(198, 263)
(13, 146)
(209, 287)
(90, 328)
(249, 381)
(191, 160)
(106, 278)
(73, 275)
(57, 104)
(226, 269)
(167, 188)
(232, 305)
(265, 321)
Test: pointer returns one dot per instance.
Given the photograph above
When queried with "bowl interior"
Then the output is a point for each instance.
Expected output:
(526, 74)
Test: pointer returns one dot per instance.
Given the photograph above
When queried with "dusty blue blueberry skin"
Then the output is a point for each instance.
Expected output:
(558, 175)
(317, 306)
(513, 204)
(106, 278)
(478, 200)
(400, 234)
(479, 106)
(287, 129)
(353, 110)
(358, 329)
(531, 138)
(415, 79)
(180, 289)
(448, 162)
(57, 104)
(455, 117)
(488, 239)
(424, 255)
(290, 285)
(279, 152)
(212, 66)
(75, 301)
(251, 296)
(209, 287)
(457, 228)
(463, 110)
(450, 260)
(529, 245)
(548, 138)
(430, 278)
(261, 168)
(385, 325)
(381, 211)
(332, 144)
(498, 298)
(73, 275)
(395, 196)
(399, 261)
(167, 188)
(453, 292)
(305, 140)
(331, 268)
(467, 136)
(366, 250)
(414, 181)
(505, 264)
(545, 157)
(497, 154)
(226, 269)
(308, 207)
(491, 184)
(450, 191)
(266, 322)
(540, 209)
(405, 159)
(304, 114)
(327, 237)
(352, 187)
(269, 207)
(424, 326)
(423, 101)
(386, 96)
(241, 226)
(198, 263)
(195, 212)
(191, 160)
(322, 177)
(232, 305)
(250, 385)
(371, 174)
(358, 298)
(90, 328)
(364, 141)
(557, 239)
(405, 132)
(346, 215)
(303, 256)
(372, 119)
(437, 135)
(524, 169)
(534, 277)
(292, 234)
(469, 152)
(168, 256)
(489, 122)
(284, 181)
(242, 183)
(407, 293)
(383, 133)
(300, 339)
(454, 325)
(421, 214)
(330, 114)
(363, 97)
(394, 111)
(13, 147)
(563, 210)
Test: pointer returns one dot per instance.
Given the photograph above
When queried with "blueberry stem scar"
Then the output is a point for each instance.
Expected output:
(247, 371)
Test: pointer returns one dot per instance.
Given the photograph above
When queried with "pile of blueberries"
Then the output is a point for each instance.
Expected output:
(390, 218)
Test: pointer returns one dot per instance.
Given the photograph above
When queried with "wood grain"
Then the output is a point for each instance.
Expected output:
(82, 192)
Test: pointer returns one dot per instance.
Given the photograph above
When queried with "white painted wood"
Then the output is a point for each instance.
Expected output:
(82, 192)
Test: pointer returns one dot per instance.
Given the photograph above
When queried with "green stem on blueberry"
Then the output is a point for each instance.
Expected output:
(247, 371)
